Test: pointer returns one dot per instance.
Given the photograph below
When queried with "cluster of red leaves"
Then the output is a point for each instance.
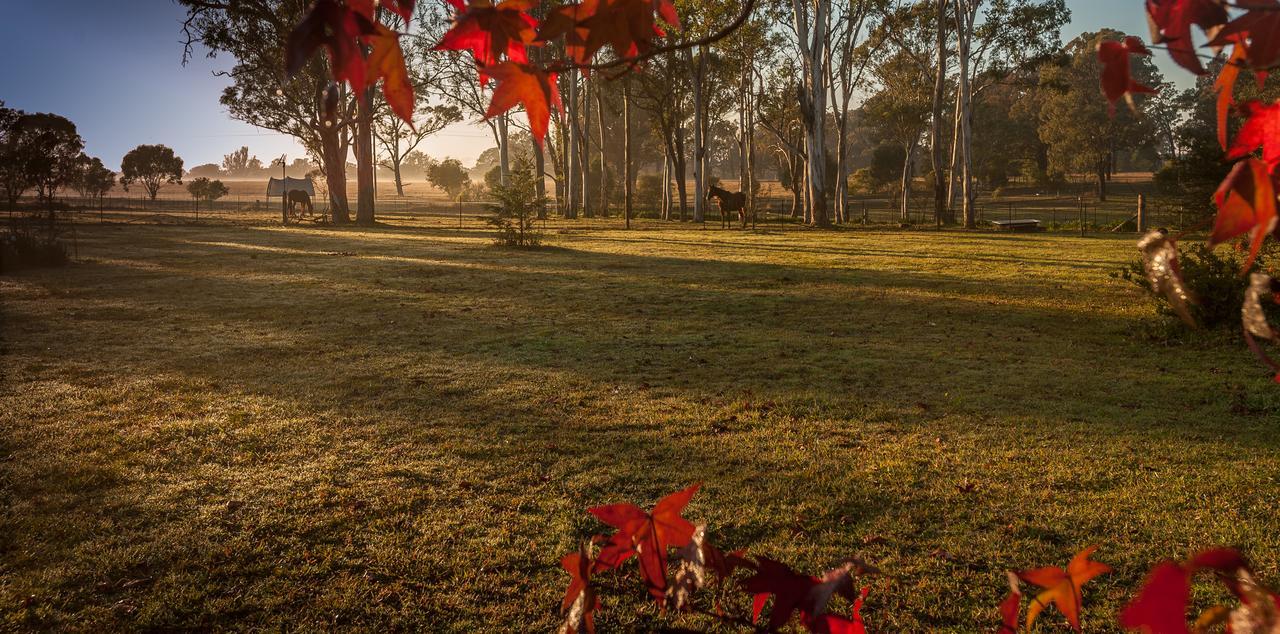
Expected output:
(498, 37)
(361, 49)
(1160, 606)
(650, 536)
(1246, 199)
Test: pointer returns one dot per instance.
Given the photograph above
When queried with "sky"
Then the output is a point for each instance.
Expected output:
(115, 69)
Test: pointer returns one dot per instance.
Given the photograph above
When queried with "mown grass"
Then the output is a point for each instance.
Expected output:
(400, 428)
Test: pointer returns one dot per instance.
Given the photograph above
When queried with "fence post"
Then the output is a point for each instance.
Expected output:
(1080, 209)
(1142, 214)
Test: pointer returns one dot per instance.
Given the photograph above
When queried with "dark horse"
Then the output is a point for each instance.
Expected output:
(729, 203)
(297, 197)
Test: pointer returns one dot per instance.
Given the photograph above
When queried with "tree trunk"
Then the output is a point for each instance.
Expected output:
(570, 149)
(939, 93)
(699, 138)
(905, 185)
(364, 159)
(681, 170)
(964, 33)
(604, 170)
(504, 151)
(1102, 181)
(584, 150)
(627, 187)
(540, 181)
(812, 95)
(333, 162)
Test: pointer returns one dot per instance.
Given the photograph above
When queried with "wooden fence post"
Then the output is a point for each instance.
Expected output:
(1142, 214)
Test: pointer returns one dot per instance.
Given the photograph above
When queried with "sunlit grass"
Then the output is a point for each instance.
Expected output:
(401, 427)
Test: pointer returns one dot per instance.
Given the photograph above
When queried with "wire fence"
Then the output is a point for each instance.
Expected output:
(1054, 213)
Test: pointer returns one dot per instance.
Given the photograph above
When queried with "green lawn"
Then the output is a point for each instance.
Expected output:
(257, 427)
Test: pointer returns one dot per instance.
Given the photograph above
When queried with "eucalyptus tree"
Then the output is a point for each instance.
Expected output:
(309, 107)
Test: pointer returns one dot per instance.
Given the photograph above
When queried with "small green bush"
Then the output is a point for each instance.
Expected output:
(1213, 276)
(516, 209)
(24, 246)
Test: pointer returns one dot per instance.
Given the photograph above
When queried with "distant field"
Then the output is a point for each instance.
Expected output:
(399, 428)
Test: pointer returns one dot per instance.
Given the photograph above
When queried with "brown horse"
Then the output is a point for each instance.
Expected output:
(729, 203)
(296, 197)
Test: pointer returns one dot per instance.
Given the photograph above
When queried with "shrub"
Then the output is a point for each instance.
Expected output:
(1213, 276)
(21, 246)
(516, 209)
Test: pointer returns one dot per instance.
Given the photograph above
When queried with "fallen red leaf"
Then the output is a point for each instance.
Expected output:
(788, 588)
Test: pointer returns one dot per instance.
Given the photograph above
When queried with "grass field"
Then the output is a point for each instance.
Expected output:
(400, 428)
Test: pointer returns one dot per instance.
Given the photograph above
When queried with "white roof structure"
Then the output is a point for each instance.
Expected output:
(278, 186)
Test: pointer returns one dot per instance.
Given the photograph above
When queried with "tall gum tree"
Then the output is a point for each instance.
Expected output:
(254, 32)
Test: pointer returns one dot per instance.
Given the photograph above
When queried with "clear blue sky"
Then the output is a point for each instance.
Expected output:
(114, 68)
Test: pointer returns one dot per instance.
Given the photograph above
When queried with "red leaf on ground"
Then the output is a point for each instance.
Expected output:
(651, 534)
(519, 84)
(1171, 22)
(1246, 203)
(1062, 587)
(1117, 81)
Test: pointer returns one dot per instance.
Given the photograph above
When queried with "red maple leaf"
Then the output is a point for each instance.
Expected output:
(833, 624)
(650, 534)
(788, 588)
(1161, 605)
(491, 31)
(580, 601)
(1171, 22)
(1260, 27)
(1117, 81)
(1062, 587)
(1010, 607)
(535, 89)
(629, 26)
(1261, 129)
(336, 27)
(1246, 204)
(386, 62)
(1225, 85)
(402, 8)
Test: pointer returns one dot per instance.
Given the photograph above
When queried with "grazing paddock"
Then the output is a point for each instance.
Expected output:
(264, 428)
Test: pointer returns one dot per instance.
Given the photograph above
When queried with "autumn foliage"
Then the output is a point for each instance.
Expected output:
(498, 36)
(1246, 199)
(674, 556)
(675, 560)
